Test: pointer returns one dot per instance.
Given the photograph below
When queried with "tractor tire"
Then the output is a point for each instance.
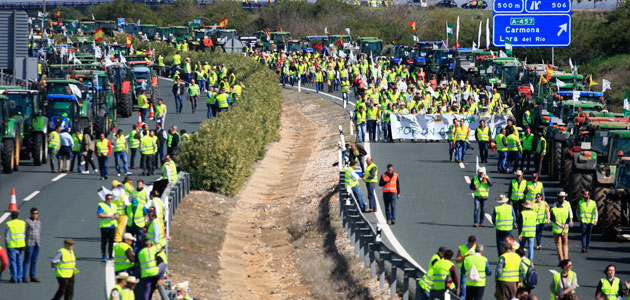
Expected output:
(38, 150)
(125, 106)
(16, 163)
(578, 183)
(600, 196)
(101, 125)
(557, 161)
(8, 155)
(565, 171)
(611, 232)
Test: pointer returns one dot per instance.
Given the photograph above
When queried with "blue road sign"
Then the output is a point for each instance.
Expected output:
(548, 6)
(121, 22)
(507, 6)
(532, 30)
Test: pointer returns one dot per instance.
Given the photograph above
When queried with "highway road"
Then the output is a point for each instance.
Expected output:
(67, 205)
(436, 209)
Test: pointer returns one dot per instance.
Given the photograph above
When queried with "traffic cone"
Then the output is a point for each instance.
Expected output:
(113, 131)
(139, 119)
(151, 114)
(13, 204)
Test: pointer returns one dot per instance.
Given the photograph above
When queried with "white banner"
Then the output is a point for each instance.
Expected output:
(435, 127)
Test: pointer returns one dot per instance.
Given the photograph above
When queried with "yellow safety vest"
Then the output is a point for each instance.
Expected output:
(511, 268)
(560, 213)
(121, 292)
(368, 170)
(77, 142)
(532, 190)
(102, 148)
(556, 281)
(143, 102)
(461, 133)
(441, 270)
(480, 263)
(610, 290)
(528, 142)
(504, 217)
(463, 249)
(482, 187)
(360, 118)
(135, 217)
(541, 212)
(17, 233)
(66, 267)
(483, 134)
(529, 223)
(223, 100)
(55, 141)
(372, 114)
(120, 204)
(133, 142)
(451, 132)
(541, 148)
(513, 143)
(177, 59)
(120, 144)
(161, 110)
(350, 182)
(150, 235)
(173, 171)
(108, 210)
(587, 211)
(142, 196)
(146, 147)
(121, 261)
(501, 147)
(518, 190)
(148, 265)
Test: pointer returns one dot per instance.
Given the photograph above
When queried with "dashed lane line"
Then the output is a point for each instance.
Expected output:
(31, 196)
(4, 217)
(461, 165)
(58, 177)
(467, 179)
(489, 218)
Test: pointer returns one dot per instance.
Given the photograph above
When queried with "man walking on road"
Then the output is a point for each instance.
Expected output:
(352, 182)
(134, 145)
(54, 144)
(502, 149)
(588, 219)
(103, 150)
(33, 230)
(160, 112)
(561, 220)
(120, 152)
(527, 225)
(528, 147)
(371, 178)
(77, 138)
(475, 288)
(108, 214)
(172, 142)
(508, 274)
(541, 150)
(503, 219)
(463, 251)
(64, 264)
(391, 192)
(14, 236)
(516, 192)
(461, 136)
(481, 186)
(65, 152)
(483, 136)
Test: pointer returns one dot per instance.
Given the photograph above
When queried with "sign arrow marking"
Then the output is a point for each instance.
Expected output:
(563, 27)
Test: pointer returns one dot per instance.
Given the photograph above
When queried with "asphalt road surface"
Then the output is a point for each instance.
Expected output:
(436, 209)
(67, 206)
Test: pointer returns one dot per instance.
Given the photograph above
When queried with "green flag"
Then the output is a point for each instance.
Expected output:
(449, 30)
(508, 47)
(626, 104)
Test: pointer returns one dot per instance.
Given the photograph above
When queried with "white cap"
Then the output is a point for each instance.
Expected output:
(128, 236)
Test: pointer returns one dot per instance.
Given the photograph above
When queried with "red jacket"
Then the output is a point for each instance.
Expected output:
(109, 146)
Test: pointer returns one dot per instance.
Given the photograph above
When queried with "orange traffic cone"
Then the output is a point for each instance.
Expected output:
(151, 114)
(113, 130)
(13, 204)
(139, 119)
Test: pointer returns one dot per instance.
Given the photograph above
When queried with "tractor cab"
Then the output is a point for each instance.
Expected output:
(69, 105)
(370, 46)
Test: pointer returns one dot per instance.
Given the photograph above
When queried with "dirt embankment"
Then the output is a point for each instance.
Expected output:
(282, 237)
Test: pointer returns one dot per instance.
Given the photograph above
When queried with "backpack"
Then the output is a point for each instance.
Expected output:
(473, 274)
(531, 278)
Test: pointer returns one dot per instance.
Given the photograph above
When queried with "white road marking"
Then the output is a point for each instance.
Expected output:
(4, 217)
(58, 177)
(467, 179)
(552, 271)
(489, 217)
(329, 95)
(109, 277)
(386, 229)
(31, 196)
(461, 165)
(169, 79)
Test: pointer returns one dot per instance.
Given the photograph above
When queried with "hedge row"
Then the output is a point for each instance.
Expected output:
(221, 154)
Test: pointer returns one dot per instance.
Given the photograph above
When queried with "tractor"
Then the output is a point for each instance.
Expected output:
(615, 220)
(123, 85)
(9, 138)
(370, 46)
(146, 79)
(69, 105)
(102, 98)
(27, 106)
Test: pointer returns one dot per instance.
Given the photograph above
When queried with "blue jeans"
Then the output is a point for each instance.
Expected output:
(529, 241)
(210, 111)
(500, 236)
(479, 210)
(30, 257)
(360, 132)
(539, 231)
(462, 285)
(390, 205)
(102, 165)
(134, 151)
(123, 157)
(502, 159)
(75, 155)
(371, 194)
(359, 196)
(179, 104)
(512, 160)
(461, 150)
(15, 264)
(143, 115)
(586, 235)
(371, 126)
(387, 132)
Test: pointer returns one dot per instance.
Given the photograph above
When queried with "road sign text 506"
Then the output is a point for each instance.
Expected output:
(563, 5)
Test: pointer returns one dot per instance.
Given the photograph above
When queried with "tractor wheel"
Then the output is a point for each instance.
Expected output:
(557, 161)
(611, 232)
(125, 106)
(100, 125)
(565, 171)
(8, 155)
(16, 164)
(38, 151)
(578, 183)
(600, 195)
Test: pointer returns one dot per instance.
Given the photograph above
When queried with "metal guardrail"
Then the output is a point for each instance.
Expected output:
(383, 262)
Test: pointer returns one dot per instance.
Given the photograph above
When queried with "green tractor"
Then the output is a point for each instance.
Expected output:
(26, 106)
(150, 30)
(146, 79)
(370, 45)
(9, 138)
(69, 105)
(102, 98)
(180, 33)
(121, 78)
(614, 222)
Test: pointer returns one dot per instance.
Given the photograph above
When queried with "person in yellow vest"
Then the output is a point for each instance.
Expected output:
(425, 282)
(149, 271)
(516, 192)
(461, 138)
(475, 288)
(352, 183)
(514, 149)
(542, 217)
(193, 94)
(133, 140)
(564, 282)
(480, 185)
(160, 112)
(103, 149)
(147, 146)
(77, 138)
(107, 214)
(156, 230)
(161, 65)
(463, 251)
(131, 286)
(143, 105)
(155, 204)
(360, 121)
(502, 149)
(121, 199)
(54, 144)
(483, 137)
(118, 292)
(610, 287)
(15, 238)
(370, 177)
(452, 130)
(136, 220)
(528, 149)
(120, 152)
(169, 170)
(503, 219)
(508, 274)
(64, 264)
(443, 276)
(124, 257)
(540, 151)
(373, 116)
(177, 60)
(587, 212)
(527, 226)
(223, 101)
(561, 220)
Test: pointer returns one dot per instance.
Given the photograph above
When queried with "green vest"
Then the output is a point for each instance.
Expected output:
(425, 281)
(441, 270)
(148, 265)
(483, 134)
(529, 223)
(541, 212)
(17, 232)
(461, 133)
(161, 109)
(528, 142)
(533, 191)
(367, 171)
(133, 142)
(161, 61)
(482, 188)
(372, 114)
(121, 261)
(65, 268)
(464, 251)
(211, 98)
(500, 146)
(610, 290)
(135, 216)
(541, 148)
(556, 281)
(143, 102)
(77, 142)
(120, 204)
(511, 268)
(121, 292)
(146, 147)
(504, 217)
(451, 132)
(177, 59)
(55, 141)
(360, 118)
(480, 263)
(102, 148)
(518, 190)
(108, 210)
(561, 214)
(587, 212)
(350, 182)
(120, 144)
(193, 90)
(513, 143)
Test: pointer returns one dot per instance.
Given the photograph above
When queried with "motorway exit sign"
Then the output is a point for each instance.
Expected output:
(532, 23)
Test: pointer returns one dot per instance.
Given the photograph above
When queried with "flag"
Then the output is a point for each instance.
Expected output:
(531, 87)
(339, 42)
(128, 41)
(591, 82)
(413, 25)
(57, 14)
(348, 31)
(223, 22)
(626, 104)
(571, 64)
(549, 72)
(98, 34)
(605, 85)
(479, 34)
(508, 47)
(474, 46)
(326, 30)
(542, 80)
(560, 83)
(487, 33)
(93, 19)
(457, 34)
(449, 30)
